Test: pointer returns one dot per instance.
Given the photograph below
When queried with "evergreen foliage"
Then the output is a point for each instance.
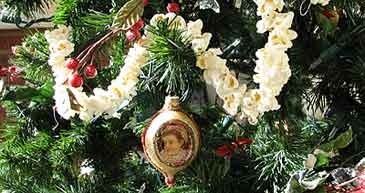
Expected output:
(171, 69)
(40, 152)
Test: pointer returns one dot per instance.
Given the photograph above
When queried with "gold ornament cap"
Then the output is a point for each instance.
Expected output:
(171, 140)
(172, 103)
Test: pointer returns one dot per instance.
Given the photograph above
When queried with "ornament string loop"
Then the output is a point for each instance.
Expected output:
(55, 119)
(304, 11)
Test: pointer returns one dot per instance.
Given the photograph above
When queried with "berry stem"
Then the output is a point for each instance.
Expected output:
(83, 52)
(92, 58)
(91, 49)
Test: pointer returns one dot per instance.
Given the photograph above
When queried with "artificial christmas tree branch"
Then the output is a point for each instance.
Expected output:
(36, 159)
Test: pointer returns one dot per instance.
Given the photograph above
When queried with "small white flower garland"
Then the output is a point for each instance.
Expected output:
(109, 101)
(272, 68)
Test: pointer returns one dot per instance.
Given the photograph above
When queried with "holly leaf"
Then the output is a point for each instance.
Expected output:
(129, 14)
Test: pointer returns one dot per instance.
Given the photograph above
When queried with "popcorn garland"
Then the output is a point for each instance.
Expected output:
(118, 94)
(322, 2)
(272, 68)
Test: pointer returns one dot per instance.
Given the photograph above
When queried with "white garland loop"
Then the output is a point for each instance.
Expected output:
(272, 68)
(118, 94)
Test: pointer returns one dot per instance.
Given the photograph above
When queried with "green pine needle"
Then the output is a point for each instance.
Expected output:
(171, 69)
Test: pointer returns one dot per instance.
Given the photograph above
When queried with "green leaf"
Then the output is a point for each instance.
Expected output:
(41, 94)
(322, 160)
(340, 142)
(343, 140)
(46, 90)
(129, 14)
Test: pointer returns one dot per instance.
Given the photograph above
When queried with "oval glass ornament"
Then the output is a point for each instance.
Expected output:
(171, 140)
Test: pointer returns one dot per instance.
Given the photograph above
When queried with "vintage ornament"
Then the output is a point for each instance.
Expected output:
(171, 140)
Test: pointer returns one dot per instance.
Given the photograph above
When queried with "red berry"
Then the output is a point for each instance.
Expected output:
(72, 63)
(12, 69)
(137, 26)
(132, 35)
(76, 80)
(4, 71)
(173, 7)
(145, 2)
(90, 71)
(16, 80)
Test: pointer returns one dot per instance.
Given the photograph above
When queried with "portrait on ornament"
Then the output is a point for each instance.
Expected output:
(174, 144)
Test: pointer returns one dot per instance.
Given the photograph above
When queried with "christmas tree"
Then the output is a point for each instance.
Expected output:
(268, 95)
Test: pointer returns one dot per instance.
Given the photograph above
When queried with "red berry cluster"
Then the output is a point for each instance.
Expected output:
(12, 75)
(134, 33)
(76, 80)
(86, 57)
